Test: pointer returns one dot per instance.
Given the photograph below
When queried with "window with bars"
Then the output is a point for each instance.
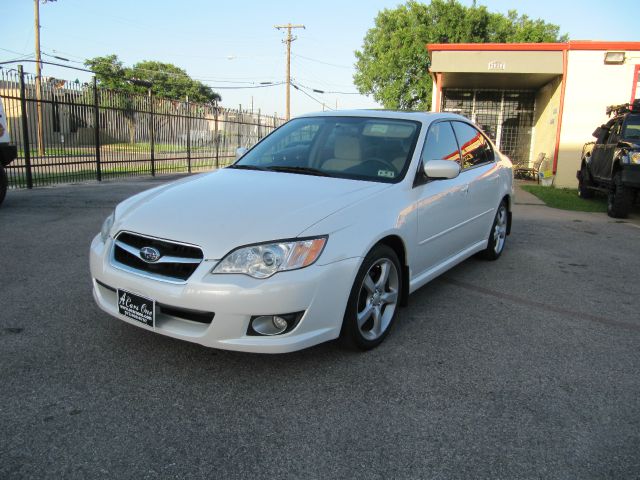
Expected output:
(506, 116)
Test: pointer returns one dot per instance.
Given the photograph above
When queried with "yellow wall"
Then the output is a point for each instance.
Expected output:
(591, 86)
(546, 120)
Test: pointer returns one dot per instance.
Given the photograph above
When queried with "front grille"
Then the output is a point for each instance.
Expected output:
(176, 263)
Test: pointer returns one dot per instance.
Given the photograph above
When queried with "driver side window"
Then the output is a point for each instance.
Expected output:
(440, 144)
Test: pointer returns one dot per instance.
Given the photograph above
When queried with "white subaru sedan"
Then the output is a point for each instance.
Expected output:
(320, 231)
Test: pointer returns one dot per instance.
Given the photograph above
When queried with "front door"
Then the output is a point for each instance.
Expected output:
(440, 204)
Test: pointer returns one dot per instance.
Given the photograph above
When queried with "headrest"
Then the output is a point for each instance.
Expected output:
(347, 148)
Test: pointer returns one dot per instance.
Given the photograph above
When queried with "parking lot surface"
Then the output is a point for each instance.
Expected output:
(522, 368)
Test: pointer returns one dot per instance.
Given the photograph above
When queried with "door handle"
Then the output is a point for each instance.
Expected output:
(465, 189)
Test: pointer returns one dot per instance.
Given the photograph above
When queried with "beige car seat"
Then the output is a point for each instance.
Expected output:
(346, 154)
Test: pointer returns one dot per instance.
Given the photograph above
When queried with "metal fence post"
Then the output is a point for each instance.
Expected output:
(151, 136)
(188, 136)
(259, 127)
(239, 119)
(216, 140)
(25, 129)
(96, 127)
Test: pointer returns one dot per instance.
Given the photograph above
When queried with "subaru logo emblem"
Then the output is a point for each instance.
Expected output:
(150, 254)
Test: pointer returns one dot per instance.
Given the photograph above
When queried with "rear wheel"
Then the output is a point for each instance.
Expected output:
(3, 183)
(620, 198)
(374, 299)
(584, 183)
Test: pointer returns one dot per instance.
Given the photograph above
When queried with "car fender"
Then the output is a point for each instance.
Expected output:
(353, 231)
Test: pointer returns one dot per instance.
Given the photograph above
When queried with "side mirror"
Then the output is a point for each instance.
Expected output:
(439, 169)
(240, 152)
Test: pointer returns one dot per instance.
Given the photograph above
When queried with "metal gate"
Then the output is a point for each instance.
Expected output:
(506, 116)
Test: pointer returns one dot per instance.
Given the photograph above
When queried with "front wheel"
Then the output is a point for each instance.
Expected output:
(374, 299)
(4, 182)
(498, 234)
(620, 198)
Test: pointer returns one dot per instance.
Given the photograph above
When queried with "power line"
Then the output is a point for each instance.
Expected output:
(17, 53)
(48, 63)
(322, 62)
(300, 89)
(262, 85)
(317, 90)
(266, 85)
(212, 79)
(314, 77)
(172, 74)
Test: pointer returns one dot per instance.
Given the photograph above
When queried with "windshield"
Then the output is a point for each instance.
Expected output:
(631, 129)
(375, 149)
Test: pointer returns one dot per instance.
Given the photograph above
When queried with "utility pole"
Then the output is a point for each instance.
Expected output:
(288, 41)
(36, 6)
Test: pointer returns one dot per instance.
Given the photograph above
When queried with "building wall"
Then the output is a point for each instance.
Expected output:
(498, 61)
(435, 106)
(546, 119)
(591, 86)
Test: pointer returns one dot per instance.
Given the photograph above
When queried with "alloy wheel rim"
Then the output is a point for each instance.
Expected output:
(377, 299)
(500, 230)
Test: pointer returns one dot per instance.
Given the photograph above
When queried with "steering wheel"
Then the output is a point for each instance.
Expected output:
(379, 164)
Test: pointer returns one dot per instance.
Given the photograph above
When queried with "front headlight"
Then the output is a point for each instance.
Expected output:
(106, 227)
(634, 157)
(265, 259)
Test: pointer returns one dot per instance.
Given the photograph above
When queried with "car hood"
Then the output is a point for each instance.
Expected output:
(632, 144)
(229, 208)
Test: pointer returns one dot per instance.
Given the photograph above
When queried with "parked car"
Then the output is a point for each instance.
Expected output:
(321, 230)
(611, 164)
(8, 153)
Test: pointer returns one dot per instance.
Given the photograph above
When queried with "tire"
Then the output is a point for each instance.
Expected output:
(620, 198)
(374, 300)
(4, 182)
(583, 184)
(498, 234)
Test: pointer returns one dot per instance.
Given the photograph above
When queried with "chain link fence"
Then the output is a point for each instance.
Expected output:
(71, 132)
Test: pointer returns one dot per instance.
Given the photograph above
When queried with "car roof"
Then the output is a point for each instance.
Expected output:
(424, 117)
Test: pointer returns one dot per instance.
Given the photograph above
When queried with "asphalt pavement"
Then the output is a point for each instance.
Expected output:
(527, 367)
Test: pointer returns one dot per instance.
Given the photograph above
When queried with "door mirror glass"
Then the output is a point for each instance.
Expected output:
(440, 169)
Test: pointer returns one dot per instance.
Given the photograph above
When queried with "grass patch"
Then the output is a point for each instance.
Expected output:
(566, 199)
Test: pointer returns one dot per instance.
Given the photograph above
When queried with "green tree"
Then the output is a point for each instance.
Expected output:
(167, 80)
(392, 64)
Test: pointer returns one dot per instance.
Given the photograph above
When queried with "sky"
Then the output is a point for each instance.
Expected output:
(234, 47)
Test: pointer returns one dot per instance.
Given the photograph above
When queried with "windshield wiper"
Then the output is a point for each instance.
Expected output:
(246, 167)
(301, 170)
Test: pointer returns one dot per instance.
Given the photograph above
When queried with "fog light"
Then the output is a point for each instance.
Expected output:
(279, 322)
(270, 325)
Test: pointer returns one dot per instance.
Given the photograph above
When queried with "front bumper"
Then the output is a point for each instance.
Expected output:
(8, 153)
(321, 292)
(631, 176)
